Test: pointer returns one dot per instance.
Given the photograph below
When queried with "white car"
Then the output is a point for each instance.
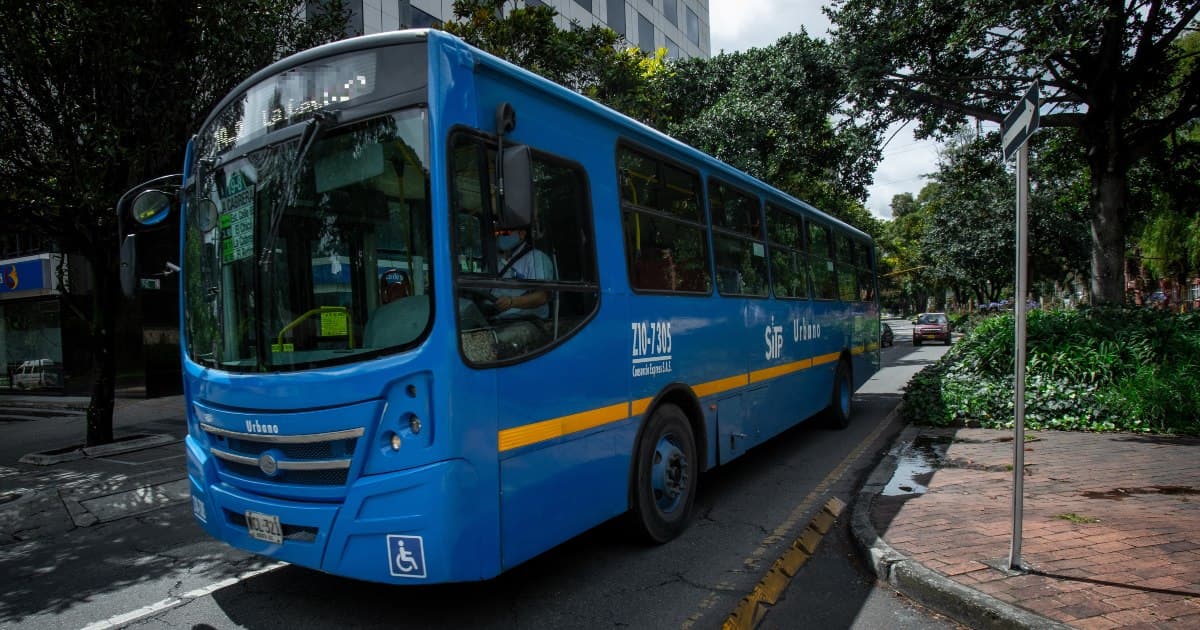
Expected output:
(35, 374)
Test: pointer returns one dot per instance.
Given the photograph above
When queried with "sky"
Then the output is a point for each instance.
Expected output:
(743, 24)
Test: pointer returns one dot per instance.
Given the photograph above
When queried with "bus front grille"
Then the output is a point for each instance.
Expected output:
(318, 459)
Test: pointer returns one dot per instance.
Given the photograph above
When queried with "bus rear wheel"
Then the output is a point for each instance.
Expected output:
(665, 475)
(837, 414)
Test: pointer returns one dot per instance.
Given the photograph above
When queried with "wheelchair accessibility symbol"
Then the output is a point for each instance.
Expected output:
(406, 556)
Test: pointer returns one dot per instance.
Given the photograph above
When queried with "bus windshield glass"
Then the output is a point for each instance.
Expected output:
(313, 250)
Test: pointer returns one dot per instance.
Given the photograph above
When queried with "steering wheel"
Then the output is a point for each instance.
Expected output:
(483, 299)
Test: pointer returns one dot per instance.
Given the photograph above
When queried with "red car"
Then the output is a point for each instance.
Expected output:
(931, 327)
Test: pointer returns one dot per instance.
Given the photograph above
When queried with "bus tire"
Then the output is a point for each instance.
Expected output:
(837, 414)
(665, 475)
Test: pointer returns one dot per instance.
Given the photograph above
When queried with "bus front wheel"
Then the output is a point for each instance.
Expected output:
(838, 412)
(665, 476)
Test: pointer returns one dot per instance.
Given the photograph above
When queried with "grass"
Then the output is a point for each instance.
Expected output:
(1077, 519)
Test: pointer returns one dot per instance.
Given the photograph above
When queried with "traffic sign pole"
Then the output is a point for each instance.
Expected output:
(1015, 131)
(1014, 554)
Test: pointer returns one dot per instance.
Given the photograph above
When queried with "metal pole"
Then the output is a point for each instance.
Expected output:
(1014, 556)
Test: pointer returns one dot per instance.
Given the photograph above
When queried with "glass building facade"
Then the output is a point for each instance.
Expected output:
(680, 26)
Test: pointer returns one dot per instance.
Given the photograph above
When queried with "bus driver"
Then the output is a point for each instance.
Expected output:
(519, 310)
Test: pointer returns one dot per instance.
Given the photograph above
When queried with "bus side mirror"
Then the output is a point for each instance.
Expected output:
(128, 264)
(151, 207)
(142, 209)
(517, 212)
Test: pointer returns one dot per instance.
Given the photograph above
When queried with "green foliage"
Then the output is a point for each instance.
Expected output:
(1123, 76)
(778, 113)
(594, 61)
(98, 95)
(1100, 369)
(1077, 518)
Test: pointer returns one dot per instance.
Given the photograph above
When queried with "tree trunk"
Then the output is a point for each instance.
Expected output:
(1109, 196)
(105, 297)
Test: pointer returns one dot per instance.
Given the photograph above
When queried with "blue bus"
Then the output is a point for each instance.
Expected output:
(440, 315)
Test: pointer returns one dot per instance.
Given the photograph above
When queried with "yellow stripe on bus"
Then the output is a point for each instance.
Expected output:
(780, 370)
(721, 385)
(525, 435)
(858, 349)
(826, 358)
(517, 437)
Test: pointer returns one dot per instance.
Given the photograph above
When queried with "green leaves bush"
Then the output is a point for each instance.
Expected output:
(1097, 369)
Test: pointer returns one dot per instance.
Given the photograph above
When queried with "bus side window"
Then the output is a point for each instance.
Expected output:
(847, 272)
(820, 261)
(666, 247)
(789, 273)
(520, 288)
(738, 247)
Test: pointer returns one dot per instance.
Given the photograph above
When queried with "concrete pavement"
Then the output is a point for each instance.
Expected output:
(49, 484)
(1110, 536)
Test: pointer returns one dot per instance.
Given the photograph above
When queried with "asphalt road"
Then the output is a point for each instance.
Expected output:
(160, 570)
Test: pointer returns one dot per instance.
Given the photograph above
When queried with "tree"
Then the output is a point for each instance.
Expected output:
(592, 61)
(99, 95)
(1111, 70)
(1169, 185)
(974, 196)
(908, 280)
(778, 113)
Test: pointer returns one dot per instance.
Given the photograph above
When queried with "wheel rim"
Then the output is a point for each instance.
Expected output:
(669, 474)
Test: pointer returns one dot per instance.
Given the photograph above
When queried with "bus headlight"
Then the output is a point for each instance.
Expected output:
(395, 442)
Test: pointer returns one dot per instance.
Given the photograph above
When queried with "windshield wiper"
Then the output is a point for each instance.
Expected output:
(264, 278)
(312, 131)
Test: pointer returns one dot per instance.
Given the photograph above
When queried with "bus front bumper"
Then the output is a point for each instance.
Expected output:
(421, 525)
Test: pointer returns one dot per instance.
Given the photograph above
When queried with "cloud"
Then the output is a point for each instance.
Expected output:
(743, 24)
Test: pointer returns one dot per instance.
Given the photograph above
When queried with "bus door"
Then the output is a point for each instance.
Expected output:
(528, 292)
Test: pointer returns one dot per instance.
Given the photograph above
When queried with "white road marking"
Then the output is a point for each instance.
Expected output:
(117, 621)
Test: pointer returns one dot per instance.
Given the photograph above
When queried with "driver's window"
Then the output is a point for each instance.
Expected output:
(521, 288)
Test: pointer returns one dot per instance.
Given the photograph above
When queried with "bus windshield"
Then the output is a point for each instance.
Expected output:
(313, 250)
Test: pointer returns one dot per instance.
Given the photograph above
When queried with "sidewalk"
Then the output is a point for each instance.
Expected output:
(1110, 536)
(72, 487)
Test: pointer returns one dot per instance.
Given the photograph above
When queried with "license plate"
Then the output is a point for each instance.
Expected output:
(264, 527)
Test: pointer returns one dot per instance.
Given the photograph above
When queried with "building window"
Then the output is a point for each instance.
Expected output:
(587, 4)
(671, 10)
(421, 19)
(673, 50)
(693, 27)
(646, 35)
(616, 16)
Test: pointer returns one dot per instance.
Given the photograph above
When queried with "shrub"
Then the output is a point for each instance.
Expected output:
(1112, 368)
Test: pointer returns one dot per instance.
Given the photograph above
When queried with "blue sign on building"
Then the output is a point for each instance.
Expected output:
(25, 274)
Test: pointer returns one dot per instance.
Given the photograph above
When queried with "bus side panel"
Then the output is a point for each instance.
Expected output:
(696, 341)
